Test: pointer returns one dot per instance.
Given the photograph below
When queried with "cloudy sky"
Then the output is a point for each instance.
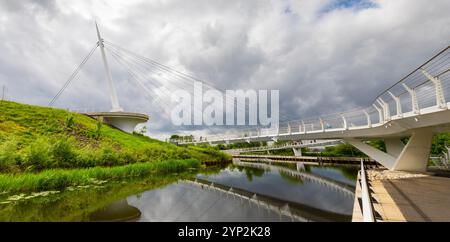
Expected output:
(324, 56)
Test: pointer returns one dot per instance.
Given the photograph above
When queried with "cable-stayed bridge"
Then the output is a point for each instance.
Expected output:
(415, 107)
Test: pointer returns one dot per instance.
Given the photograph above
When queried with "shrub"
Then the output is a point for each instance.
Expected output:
(127, 157)
(86, 158)
(70, 122)
(8, 155)
(38, 155)
(342, 150)
(109, 157)
(105, 156)
(98, 129)
(63, 154)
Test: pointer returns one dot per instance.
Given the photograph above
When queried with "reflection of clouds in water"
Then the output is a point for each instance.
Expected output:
(333, 173)
(182, 202)
(223, 174)
(272, 184)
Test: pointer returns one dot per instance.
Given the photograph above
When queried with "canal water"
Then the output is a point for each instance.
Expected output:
(242, 191)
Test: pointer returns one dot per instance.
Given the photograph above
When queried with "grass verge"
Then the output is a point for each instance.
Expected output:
(58, 179)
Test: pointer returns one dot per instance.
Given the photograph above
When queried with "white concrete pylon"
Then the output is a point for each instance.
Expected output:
(415, 154)
(297, 152)
(300, 166)
(112, 89)
(394, 146)
(381, 157)
(412, 157)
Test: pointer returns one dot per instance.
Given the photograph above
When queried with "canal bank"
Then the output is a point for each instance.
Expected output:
(405, 197)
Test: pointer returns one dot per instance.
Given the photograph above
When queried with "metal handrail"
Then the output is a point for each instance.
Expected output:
(367, 206)
(442, 160)
(263, 148)
(420, 67)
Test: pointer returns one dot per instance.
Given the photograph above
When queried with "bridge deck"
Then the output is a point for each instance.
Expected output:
(408, 197)
(141, 116)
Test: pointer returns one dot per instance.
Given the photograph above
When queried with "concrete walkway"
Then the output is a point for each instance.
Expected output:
(407, 197)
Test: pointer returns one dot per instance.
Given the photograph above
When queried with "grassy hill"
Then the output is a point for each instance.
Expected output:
(35, 139)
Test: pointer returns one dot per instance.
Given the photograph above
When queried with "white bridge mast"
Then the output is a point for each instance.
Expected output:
(112, 89)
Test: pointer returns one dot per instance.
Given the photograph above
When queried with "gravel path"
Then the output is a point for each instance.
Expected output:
(378, 174)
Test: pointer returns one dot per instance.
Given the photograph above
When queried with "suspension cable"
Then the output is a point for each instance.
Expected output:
(174, 73)
(137, 76)
(74, 74)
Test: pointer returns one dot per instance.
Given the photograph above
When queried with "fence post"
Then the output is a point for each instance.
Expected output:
(440, 98)
(369, 122)
(380, 114)
(385, 107)
(398, 103)
(414, 103)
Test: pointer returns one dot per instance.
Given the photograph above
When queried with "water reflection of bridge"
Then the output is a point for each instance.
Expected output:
(295, 211)
(329, 183)
(234, 197)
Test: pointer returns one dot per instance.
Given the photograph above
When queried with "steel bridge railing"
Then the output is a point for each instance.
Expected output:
(425, 88)
(289, 146)
(367, 206)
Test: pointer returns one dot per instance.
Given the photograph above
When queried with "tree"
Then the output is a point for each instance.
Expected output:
(174, 136)
(143, 130)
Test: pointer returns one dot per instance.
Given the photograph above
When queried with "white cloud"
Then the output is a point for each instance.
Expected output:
(322, 62)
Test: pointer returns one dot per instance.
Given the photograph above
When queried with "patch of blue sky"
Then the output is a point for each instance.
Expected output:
(352, 4)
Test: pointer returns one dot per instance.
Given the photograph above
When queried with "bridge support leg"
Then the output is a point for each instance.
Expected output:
(300, 166)
(297, 152)
(394, 146)
(415, 155)
(412, 157)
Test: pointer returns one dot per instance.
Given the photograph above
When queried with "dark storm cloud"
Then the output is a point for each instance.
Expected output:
(30, 6)
(321, 61)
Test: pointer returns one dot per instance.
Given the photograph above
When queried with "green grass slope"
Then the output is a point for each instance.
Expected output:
(34, 138)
